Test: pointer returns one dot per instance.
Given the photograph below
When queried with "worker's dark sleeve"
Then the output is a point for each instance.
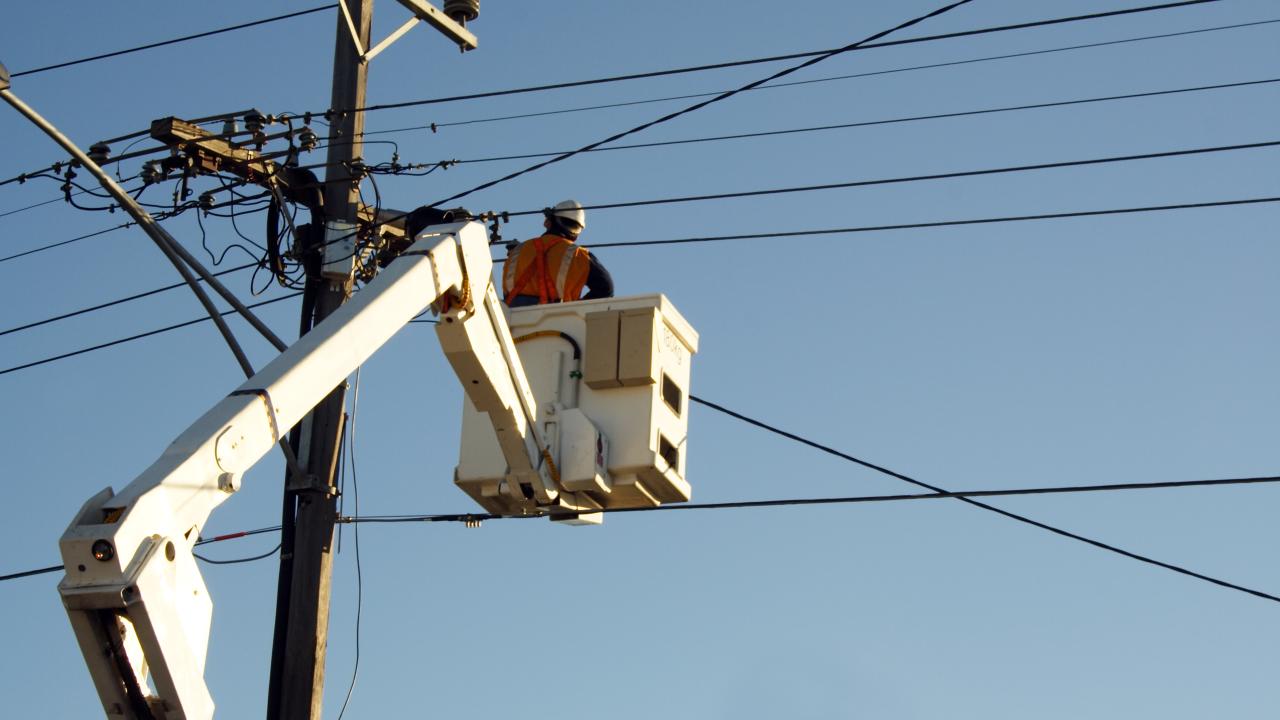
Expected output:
(599, 281)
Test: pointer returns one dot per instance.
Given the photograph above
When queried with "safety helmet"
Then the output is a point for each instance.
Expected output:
(572, 211)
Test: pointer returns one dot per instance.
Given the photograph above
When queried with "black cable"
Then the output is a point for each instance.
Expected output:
(173, 41)
(794, 233)
(237, 561)
(746, 504)
(774, 58)
(922, 178)
(355, 530)
(942, 223)
(30, 207)
(888, 121)
(699, 105)
(850, 500)
(139, 336)
(119, 301)
(42, 248)
(206, 541)
(990, 508)
(435, 126)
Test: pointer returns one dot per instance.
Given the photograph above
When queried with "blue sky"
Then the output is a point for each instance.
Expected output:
(1126, 348)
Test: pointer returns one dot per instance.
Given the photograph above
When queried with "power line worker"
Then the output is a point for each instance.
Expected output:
(552, 268)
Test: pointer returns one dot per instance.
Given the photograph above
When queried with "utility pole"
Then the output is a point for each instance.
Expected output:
(298, 655)
(310, 501)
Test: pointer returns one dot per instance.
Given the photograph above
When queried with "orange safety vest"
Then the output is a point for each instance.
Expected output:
(549, 267)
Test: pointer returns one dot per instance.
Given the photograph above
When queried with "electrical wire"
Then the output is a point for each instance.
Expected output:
(887, 121)
(237, 561)
(990, 508)
(699, 105)
(203, 541)
(139, 336)
(78, 238)
(848, 500)
(173, 41)
(113, 303)
(355, 530)
(923, 178)
(520, 116)
(943, 223)
(471, 518)
(752, 236)
(434, 126)
(774, 58)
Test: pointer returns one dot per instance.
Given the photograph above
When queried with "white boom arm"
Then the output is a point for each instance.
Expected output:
(134, 595)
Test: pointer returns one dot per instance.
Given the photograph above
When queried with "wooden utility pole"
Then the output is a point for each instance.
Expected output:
(298, 657)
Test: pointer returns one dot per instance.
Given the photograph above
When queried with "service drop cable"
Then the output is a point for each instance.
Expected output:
(474, 518)
(698, 106)
(990, 508)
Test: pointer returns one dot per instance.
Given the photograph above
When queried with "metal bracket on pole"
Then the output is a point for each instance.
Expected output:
(351, 25)
(445, 24)
(400, 31)
(4, 77)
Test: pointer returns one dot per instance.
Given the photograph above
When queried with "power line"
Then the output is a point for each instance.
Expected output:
(753, 236)
(990, 508)
(922, 178)
(119, 301)
(888, 121)
(942, 223)
(139, 336)
(42, 203)
(236, 561)
(911, 68)
(770, 133)
(848, 500)
(173, 41)
(769, 59)
(78, 238)
(699, 105)
(744, 504)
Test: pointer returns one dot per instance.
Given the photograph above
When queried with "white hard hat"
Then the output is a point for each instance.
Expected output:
(570, 210)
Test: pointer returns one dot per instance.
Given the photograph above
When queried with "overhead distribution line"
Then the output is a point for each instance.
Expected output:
(942, 223)
(848, 500)
(922, 178)
(118, 301)
(741, 504)
(794, 233)
(698, 106)
(174, 41)
(888, 121)
(867, 45)
(792, 131)
(60, 243)
(862, 183)
(976, 503)
(140, 336)
(434, 126)
(833, 78)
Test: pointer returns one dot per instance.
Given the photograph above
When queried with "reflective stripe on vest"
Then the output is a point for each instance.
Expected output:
(550, 268)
